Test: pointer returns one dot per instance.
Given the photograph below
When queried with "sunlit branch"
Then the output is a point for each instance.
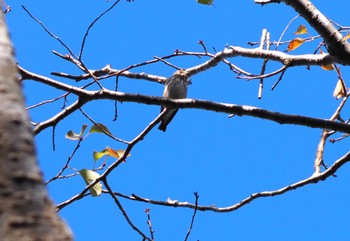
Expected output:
(108, 72)
(336, 45)
(86, 96)
(286, 59)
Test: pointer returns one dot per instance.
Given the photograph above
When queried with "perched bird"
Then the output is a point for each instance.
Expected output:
(175, 88)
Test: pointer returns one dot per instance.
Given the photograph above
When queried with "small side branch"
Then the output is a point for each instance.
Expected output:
(132, 225)
(91, 25)
(149, 223)
(193, 216)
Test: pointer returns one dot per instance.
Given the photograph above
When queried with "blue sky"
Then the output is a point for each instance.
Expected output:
(223, 159)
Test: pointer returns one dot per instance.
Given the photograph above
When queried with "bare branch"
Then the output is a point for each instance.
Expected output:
(91, 25)
(325, 135)
(193, 216)
(240, 110)
(284, 31)
(108, 72)
(48, 31)
(311, 180)
(149, 223)
(286, 59)
(132, 225)
(58, 175)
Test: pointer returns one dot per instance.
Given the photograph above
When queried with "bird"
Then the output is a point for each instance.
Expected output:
(175, 88)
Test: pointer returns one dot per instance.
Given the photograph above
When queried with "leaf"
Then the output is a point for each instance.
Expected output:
(89, 177)
(339, 90)
(327, 67)
(99, 128)
(109, 152)
(116, 153)
(73, 136)
(295, 43)
(301, 30)
(97, 155)
(207, 2)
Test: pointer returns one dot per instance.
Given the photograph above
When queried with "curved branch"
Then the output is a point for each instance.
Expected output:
(286, 59)
(311, 180)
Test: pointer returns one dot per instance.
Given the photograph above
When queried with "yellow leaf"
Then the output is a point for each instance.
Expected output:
(295, 43)
(115, 153)
(339, 90)
(301, 30)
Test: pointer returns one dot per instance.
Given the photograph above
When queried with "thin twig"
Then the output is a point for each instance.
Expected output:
(102, 129)
(280, 78)
(53, 137)
(253, 77)
(149, 223)
(46, 102)
(203, 45)
(49, 32)
(285, 29)
(91, 25)
(325, 135)
(193, 216)
(167, 63)
(116, 101)
(66, 46)
(58, 175)
(132, 225)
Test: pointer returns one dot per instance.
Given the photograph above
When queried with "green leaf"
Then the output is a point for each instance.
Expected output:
(89, 177)
(97, 155)
(99, 128)
(207, 2)
(74, 136)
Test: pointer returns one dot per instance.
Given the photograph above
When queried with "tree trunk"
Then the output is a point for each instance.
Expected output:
(26, 212)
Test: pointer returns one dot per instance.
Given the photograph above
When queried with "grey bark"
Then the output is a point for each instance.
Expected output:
(26, 212)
